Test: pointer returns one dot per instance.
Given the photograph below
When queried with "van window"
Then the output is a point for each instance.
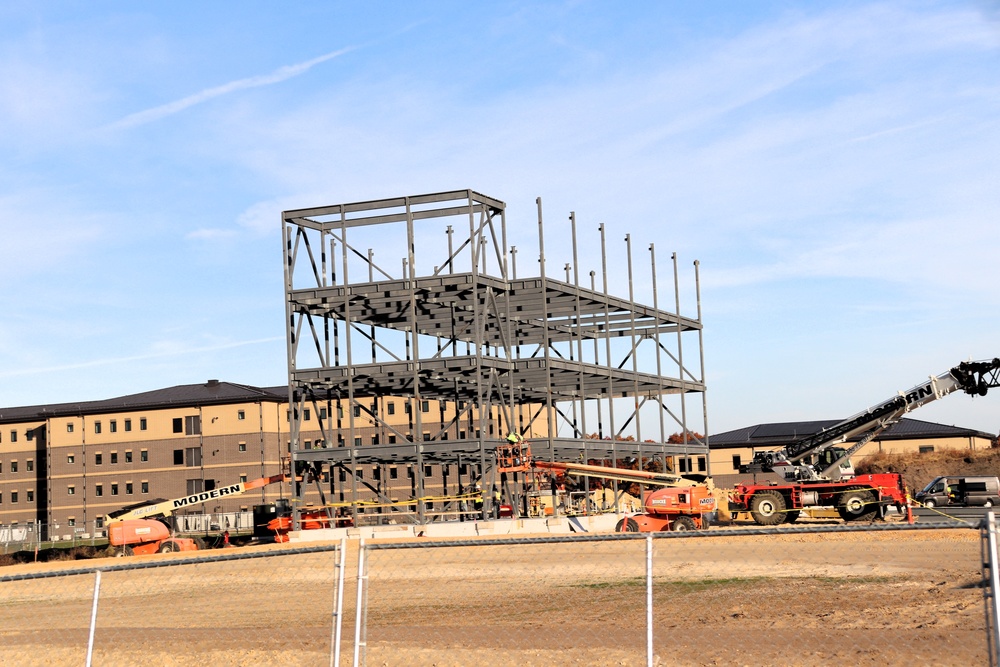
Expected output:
(975, 487)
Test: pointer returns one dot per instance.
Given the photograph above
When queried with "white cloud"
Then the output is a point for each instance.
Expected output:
(279, 75)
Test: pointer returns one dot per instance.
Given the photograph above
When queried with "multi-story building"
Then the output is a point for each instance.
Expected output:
(68, 465)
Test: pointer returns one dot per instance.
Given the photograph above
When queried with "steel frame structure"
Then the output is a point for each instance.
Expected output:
(518, 354)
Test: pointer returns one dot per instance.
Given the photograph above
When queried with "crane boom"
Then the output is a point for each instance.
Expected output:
(168, 507)
(972, 377)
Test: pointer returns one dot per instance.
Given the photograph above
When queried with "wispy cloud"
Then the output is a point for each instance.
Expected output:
(170, 351)
(277, 76)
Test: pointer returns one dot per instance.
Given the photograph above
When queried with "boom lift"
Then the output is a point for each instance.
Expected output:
(681, 504)
(817, 472)
(142, 529)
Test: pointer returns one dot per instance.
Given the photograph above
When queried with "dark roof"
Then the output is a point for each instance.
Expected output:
(777, 435)
(212, 392)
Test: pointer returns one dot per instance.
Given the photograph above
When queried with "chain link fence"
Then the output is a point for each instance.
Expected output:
(884, 594)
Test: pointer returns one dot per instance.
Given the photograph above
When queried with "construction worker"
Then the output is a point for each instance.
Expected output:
(515, 441)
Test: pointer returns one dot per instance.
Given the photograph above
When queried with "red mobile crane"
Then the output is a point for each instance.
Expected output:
(818, 473)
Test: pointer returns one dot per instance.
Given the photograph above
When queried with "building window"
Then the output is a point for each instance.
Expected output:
(926, 449)
(340, 412)
(192, 457)
(71, 522)
(114, 489)
(195, 486)
(30, 435)
(144, 487)
(243, 446)
(241, 415)
(322, 413)
(113, 425)
(342, 476)
(243, 478)
(737, 461)
(143, 455)
(114, 457)
(99, 490)
(97, 427)
(13, 497)
(29, 496)
(192, 425)
(70, 490)
(308, 414)
(178, 457)
(70, 458)
(128, 424)
(393, 473)
(376, 473)
(98, 459)
(128, 456)
(29, 465)
(701, 464)
(69, 427)
(463, 469)
(357, 441)
(13, 466)
(425, 406)
(390, 408)
(178, 424)
(128, 488)
(407, 408)
(142, 423)
(357, 410)
(427, 471)
(13, 436)
(392, 439)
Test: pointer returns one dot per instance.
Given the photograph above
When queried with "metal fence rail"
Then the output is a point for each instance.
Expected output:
(886, 594)
(222, 606)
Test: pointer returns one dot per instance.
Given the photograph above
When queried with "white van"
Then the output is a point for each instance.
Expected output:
(961, 491)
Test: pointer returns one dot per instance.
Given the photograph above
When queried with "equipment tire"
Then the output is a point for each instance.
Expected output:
(929, 503)
(857, 505)
(627, 526)
(791, 516)
(767, 508)
(200, 543)
(121, 552)
(168, 547)
(683, 524)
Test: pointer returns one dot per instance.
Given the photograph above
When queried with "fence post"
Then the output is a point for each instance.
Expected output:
(649, 600)
(93, 618)
(338, 608)
(991, 585)
(359, 614)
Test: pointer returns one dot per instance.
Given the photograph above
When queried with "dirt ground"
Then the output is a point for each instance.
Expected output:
(882, 598)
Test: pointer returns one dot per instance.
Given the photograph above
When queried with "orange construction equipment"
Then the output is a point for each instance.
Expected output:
(674, 508)
(681, 505)
(133, 530)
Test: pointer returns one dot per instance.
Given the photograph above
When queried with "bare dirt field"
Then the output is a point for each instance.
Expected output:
(881, 598)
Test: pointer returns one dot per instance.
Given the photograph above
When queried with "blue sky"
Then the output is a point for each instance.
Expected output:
(832, 166)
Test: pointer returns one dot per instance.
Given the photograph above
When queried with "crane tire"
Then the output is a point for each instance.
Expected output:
(791, 516)
(857, 504)
(767, 508)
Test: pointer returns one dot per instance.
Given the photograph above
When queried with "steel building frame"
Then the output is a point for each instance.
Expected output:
(515, 354)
